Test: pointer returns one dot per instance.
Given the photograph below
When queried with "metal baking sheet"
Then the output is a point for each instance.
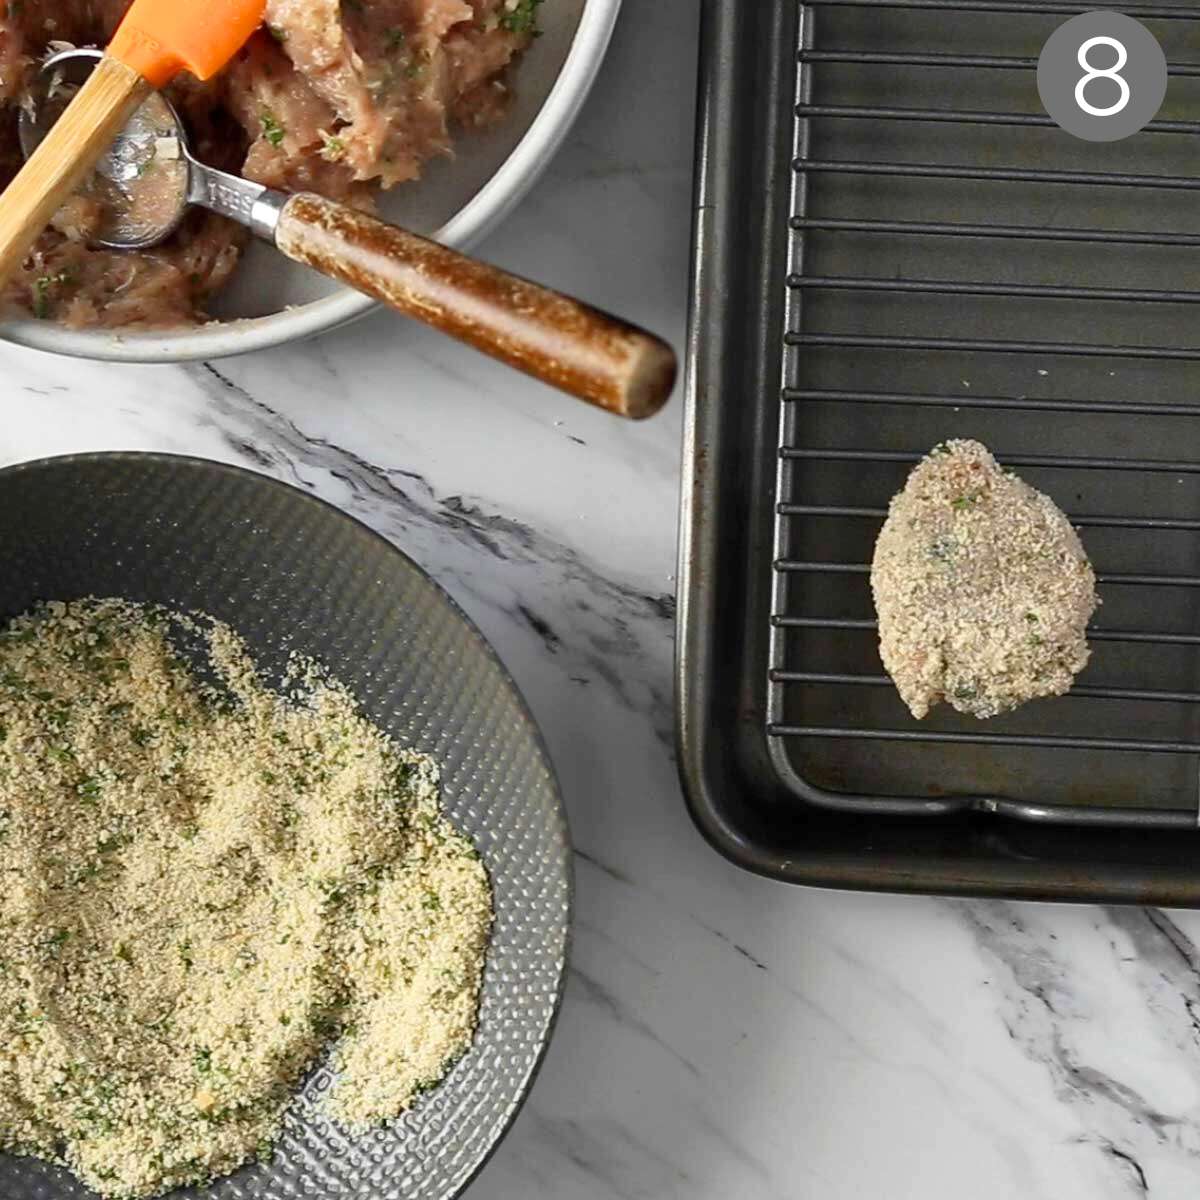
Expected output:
(879, 267)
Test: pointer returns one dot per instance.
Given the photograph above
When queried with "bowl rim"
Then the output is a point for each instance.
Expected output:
(194, 462)
(486, 209)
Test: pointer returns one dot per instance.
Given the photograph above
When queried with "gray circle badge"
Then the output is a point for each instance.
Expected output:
(1102, 76)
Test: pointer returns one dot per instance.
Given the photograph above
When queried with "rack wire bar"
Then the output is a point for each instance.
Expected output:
(953, 287)
(878, 333)
(974, 400)
(999, 62)
(1032, 740)
(918, 170)
(1079, 691)
(952, 116)
(1074, 462)
(1096, 635)
(797, 567)
(1146, 12)
(862, 341)
(1188, 524)
(1130, 237)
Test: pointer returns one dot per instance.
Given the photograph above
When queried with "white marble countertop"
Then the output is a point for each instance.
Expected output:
(723, 1037)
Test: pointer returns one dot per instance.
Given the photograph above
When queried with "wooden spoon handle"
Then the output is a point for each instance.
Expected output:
(69, 151)
(567, 344)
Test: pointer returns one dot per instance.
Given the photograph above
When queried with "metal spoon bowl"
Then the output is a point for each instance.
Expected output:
(142, 181)
(150, 177)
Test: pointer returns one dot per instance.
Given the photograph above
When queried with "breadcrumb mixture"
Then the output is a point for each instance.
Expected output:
(982, 587)
(202, 886)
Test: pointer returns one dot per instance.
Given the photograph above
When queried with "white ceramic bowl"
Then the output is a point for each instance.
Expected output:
(271, 301)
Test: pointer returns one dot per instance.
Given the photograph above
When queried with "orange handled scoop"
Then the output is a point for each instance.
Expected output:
(157, 40)
(160, 38)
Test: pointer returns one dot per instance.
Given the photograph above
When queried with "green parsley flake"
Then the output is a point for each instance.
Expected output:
(521, 17)
(272, 130)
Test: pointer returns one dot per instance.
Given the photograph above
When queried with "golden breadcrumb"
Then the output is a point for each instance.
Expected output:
(201, 888)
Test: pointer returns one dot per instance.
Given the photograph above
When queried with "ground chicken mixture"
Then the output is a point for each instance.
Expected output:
(340, 97)
(982, 587)
(202, 886)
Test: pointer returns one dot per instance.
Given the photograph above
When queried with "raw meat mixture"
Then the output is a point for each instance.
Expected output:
(340, 97)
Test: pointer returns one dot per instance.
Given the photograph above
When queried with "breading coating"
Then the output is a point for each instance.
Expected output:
(982, 587)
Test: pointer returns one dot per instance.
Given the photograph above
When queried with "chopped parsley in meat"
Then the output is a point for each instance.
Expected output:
(395, 85)
(520, 16)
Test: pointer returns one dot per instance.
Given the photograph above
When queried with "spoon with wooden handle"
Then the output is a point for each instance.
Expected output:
(156, 40)
(563, 342)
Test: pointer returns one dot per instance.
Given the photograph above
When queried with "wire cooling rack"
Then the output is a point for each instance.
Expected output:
(959, 266)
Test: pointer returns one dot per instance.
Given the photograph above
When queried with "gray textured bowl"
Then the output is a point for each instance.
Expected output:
(290, 572)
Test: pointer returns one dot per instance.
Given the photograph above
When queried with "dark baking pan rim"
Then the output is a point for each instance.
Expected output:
(734, 792)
